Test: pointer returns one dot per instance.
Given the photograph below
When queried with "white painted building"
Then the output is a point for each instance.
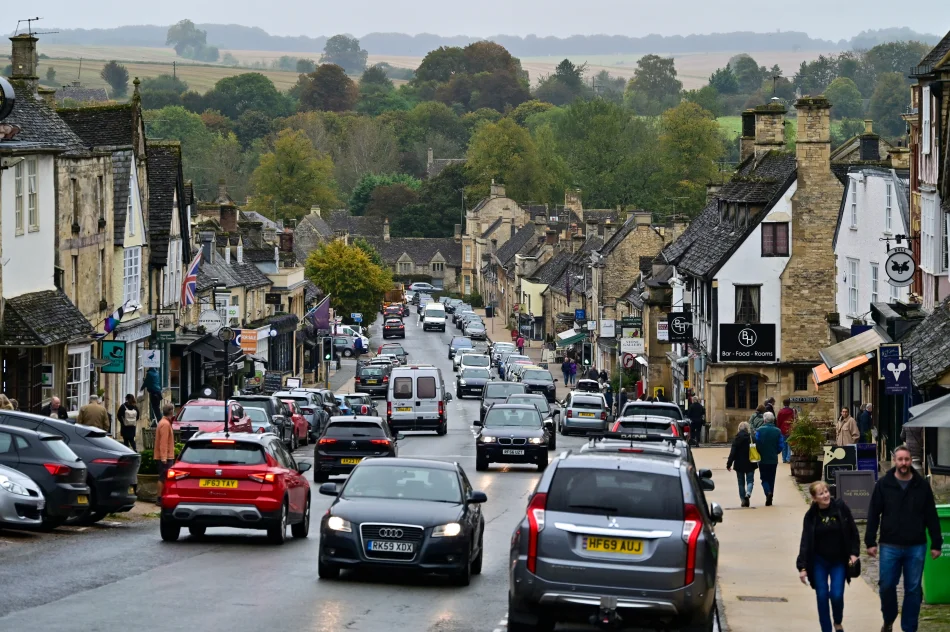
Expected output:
(28, 201)
(875, 207)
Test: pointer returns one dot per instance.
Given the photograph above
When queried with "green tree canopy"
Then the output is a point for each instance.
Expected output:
(351, 279)
(191, 42)
(176, 123)
(233, 96)
(441, 64)
(372, 253)
(521, 113)
(845, 99)
(505, 153)
(163, 82)
(363, 191)
(690, 146)
(748, 72)
(390, 200)
(346, 53)
(292, 178)
(439, 207)
(654, 86)
(250, 126)
(117, 76)
(303, 66)
(724, 81)
(888, 102)
(328, 89)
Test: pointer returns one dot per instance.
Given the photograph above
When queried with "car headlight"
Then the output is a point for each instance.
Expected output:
(336, 523)
(550, 387)
(12, 486)
(461, 382)
(447, 530)
(487, 439)
(535, 440)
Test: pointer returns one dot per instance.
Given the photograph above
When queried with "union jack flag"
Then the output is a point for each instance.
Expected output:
(189, 285)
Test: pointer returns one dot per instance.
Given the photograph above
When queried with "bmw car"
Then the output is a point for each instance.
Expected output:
(403, 514)
(512, 433)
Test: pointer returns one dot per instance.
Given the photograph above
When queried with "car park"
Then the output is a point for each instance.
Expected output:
(458, 343)
(246, 481)
(404, 515)
(583, 412)
(278, 412)
(301, 428)
(496, 392)
(633, 528)
(53, 466)
(471, 381)
(416, 399)
(395, 349)
(373, 379)
(512, 433)
(111, 468)
(540, 381)
(548, 412)
(394, 328)
(476, 330)
(348, 440)
(21, 500)
(207, 415)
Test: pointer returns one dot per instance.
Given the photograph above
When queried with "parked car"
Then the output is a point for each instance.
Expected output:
(261, 422)
(422, 287)
(278, 412)
(496, 392)
(342, 404)
(416, 400)
(476, 330)
(247, 481)
(21, 499)
(111, 468)
(207, 415)
(512, 433)
(347, 441)
(301, 427)
(510, 362)
(373, 379)
(635, 527)
(391, 357)
(451, 304)
(471, 381)
(394, 328)
(324, 395)
(461, 309)
(539, 380)
(461, 319)
(356, 402)
(311, 407)
(584, 412)
(499, 348)
(457, 343)
(344, 346)
(53, 466)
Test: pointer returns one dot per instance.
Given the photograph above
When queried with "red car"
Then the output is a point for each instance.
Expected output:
(207, 415)
(247, 481)
(394, 327)
(301, 427)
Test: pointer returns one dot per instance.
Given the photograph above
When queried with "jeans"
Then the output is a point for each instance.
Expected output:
(746, 483)
(695, 430)
(826, 572)
(786, 452)
(895, 560)
(767, 476)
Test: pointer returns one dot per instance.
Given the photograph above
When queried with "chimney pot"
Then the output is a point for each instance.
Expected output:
(551, 237)
(868, 126)
(48, 95)
(386, 230)
(769, 127)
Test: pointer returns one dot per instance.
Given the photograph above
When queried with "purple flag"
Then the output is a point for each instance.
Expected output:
(321, 314)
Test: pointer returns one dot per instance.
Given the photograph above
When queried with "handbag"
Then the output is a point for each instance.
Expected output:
(754, 456)
(854, 570)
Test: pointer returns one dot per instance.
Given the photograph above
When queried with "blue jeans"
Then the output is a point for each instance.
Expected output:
(786, 452)
(834, 574)
(746, 483)
(909, 561)
(767, 476)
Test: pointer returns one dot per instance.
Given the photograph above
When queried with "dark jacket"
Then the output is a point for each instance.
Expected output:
(849, 533)
(47, 411)
(768, 440)
(905, 516)
(621, 400)
(152, 382)
(696, 412)
(739, 454)
(593, 374)
(865, 422)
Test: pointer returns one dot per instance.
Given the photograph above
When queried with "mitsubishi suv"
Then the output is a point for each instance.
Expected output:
(624, 537)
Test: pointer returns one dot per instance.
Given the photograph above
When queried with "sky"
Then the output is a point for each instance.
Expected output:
(827, 19)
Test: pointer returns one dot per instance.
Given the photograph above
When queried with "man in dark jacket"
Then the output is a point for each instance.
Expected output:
(902, 504)
(768, 440)
(865, 423)
(54, 409)
(621, 401)
(696, 414)
(593, 374)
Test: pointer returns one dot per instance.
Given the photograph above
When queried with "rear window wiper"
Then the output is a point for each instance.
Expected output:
(595, 507)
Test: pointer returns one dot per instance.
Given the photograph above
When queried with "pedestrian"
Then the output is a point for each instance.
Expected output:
(603, 377)
(784, 420)
(865, 423)
(846, 429)
(756, 420)
(830, 544)
(609, 399)
(566, 370)
(902, 504)
(54, 409)
(152, 385)
(164, 453)
(6, 403)
(697, 415)
(94, 414)
(592, 374)
(520, 345)
(768, 440)
(770, 405)
(573, 371)
(128, 417)
(622, 400)
(739, 459)
(358, 346)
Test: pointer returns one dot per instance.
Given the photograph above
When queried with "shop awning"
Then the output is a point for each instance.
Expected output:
(570, 337)
(855, 346)
(934, 414)
(824, 375)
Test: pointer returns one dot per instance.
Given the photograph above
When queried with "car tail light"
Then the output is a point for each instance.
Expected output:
(389, 410)
(176, 475)
(379, 441)
(226, 441)
(261, 430)
(106, 461)
(263, 478)
(385, 379)
(441, 409)
(57, 469)
(676, 431)
(570, 413)
(603, 416)
(535, 525)
(615, 427)
(327, 441)
(692, 525)
(686, 430)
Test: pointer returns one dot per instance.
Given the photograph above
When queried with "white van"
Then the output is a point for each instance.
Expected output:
(416, 399)
(434, 317)
(347, 330)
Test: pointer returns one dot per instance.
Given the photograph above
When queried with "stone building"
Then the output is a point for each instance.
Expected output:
(430, 259)
(489, 224)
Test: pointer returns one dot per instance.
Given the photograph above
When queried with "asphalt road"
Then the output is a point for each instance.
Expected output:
(122, 576)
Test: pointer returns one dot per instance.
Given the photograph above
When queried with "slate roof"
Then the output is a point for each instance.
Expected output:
(632, 295)
(39, 123)
(311, 292)
(601, 215)
(435, 167)
(526, 237)
(928, 345)
(840, 169)
(164, 168)
(937, 53)
(708, 242)
(41, 319)
(554, 268)
(254, 216)
(420, 249)
(189, 194)
(102, 126)
(309, 233)
(619, 235)
(577, 263)
(341, 220)
(234, 275)
(259, 255)
(83, 95)
(646, 265)
(492, 228)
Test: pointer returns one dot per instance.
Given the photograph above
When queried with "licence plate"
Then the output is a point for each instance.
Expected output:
(218, 482)
(82, 500)
(350, 461)
(372, 381)
(585, 415)
(404, 409)
(612, 545)
(390, 547)
(513, 452)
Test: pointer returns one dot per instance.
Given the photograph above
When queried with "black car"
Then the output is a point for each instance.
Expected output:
(373, 379)
(496, 392)
(547, 411)
(458, 343)
(56, 469)
(111, 468)
(540, 381)
(404, 514)
(348, 440)
(471, 381)
(394, 328)
(512, 433)
(311, 407)
(279, 414)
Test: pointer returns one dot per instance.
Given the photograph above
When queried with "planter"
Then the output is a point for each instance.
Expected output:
(148, 487)
(806, 469)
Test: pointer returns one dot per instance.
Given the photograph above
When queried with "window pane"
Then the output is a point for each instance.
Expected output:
(768, 239)
(402, 388)
(753, 392)
(741, 391)
(781, 239)
(425, 387)
(623, 493)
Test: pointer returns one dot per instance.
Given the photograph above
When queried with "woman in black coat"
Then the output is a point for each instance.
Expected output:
(830, 543)
(739, 458)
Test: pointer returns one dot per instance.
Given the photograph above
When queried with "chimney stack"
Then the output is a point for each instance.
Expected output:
(386, 230)
(315, 210)
(609, 229)
(497, 190)
(591, 227)
(899, 157)
(550, 237)
(643, 218)
(48, 95)
(287, 241)
(870, 143)
(747, 140)
(458, 233)
(813, 146)
(256, 234)
(24, 59)
(769, 127)
(572, 202)
(429, 158)
(207, 246)
(712, 190)
(240, 251)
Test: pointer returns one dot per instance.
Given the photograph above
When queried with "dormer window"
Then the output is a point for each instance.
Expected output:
(743, 217)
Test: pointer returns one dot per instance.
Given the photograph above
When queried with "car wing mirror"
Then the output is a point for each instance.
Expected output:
(715, 510)
(477, 422)
(448, 397)
(704, 473)
(707, 484)
(329, 489)
(400, 436)
(303, 467)
(477, 497)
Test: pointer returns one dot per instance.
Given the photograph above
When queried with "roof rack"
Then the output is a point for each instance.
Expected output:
(634, 437)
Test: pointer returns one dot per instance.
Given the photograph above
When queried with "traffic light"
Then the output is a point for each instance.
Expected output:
(587, 354)
(327, 349)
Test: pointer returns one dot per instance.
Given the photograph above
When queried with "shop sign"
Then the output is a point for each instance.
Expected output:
(46, 376)
(632, 322)
(680, 326)
(113, 351)
(139, 332)
(886, 354)
(663, 332)
(897, 376)
(900, 266)
(632, 345)
(747, 343)
(211, 320)
(580, 314)
(803, 400)
(272, 298)
(608, 328)
(855, 487)
(151, 359)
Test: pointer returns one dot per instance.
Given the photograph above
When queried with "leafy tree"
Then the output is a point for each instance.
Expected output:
(748, 73)
(250, 126)
(217, 122)
(328, 89)
(690, 146)
(564, 86)
(230, 60)
(304, 66)
(51, 75)
(553, 164)
(348, 275)
(292, 178)
(888, 102)
(372, 253)
(845, 99)
(896, 56)
(813, 77)
(505, 153)
(191, 42)
(163, 82)
(521, 113)
(366, 146)
(378, 94)
(158, 99)
(233, 96)
(500, 91)
(724, 81)
(441, 64)
(609, 87)
(439, 207)
(431, 117)
(117, 76)
(489, 57)
(375, 76)
(845, 131)
(363, 191)
(472, 120)
(176, 123)
(390, 201)
(193, 102)
(344, 52)
(654, 86)
(706, 98)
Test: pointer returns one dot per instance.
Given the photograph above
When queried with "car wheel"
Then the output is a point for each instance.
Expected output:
(306, 438)
(347, 353)
(169, 531)
(278, 534)
(327, 571)
(197, 532)
(51, 522)
(552, 442)
(477, 562)
(562, 429)
(463, 576)
(481, 463)
(543, 461)
(302, 528)
(542, 623)
(293, 440)
(443, 429)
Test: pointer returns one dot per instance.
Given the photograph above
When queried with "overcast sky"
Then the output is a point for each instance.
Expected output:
(828, 19)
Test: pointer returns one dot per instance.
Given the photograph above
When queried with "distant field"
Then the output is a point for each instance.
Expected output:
(731, 126)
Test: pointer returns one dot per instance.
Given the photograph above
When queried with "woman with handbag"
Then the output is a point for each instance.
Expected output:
(828, 555)
(745, 460)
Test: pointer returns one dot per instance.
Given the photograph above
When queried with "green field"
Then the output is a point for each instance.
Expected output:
(731, 126)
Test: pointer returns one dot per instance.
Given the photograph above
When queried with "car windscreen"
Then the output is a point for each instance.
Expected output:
(522, 417)
(651, 411)
(536, 375)
(404, 483)
(193, 412)
(538, 402)
(257, 415)
(434, 312)
(222, 452)
(59, 448)
(587, 402)
(501, 390)
(476, 360)
(393, 322)
(617, 493)
(476, 327)
(458, 343)
(263, 404)
(354, 429)
(357, 400)
(374, 371)
(475, 374)
(395, 350)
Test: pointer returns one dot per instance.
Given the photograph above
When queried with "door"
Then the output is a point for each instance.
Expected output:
(296, 488)
(427, 396)
(8, 453)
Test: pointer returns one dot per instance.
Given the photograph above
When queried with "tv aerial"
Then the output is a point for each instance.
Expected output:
(29, 27)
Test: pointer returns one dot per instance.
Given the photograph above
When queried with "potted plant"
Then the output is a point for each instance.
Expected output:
(806, 440)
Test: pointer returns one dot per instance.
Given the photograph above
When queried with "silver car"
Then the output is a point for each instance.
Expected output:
(583, 412)
(21, 500)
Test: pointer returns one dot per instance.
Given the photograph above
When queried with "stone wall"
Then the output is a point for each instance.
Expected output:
(769, 127)
(622, 265)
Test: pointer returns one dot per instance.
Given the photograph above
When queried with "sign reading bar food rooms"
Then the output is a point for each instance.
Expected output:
(747, 343)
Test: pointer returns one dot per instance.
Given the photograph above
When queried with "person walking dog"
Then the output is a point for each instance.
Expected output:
(744, 466)
(830, 548)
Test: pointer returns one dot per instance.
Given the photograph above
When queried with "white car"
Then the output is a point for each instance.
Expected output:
(422, 287)
(21, 500)
(457, 360)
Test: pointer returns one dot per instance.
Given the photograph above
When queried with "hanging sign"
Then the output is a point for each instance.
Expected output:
(680, 326)
(885, 355)
(151, 358)
(663, 332)
(114, 352)
(747, 343)
(632, 345)
(897, 377)
(900, 266)
(211, 320)
(608, 328)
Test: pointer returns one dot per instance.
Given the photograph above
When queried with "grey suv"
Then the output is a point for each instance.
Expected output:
(628, 536)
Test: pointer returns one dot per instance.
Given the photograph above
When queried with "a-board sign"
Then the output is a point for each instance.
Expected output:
(855, 488)
(273, 382)
(838, 458)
